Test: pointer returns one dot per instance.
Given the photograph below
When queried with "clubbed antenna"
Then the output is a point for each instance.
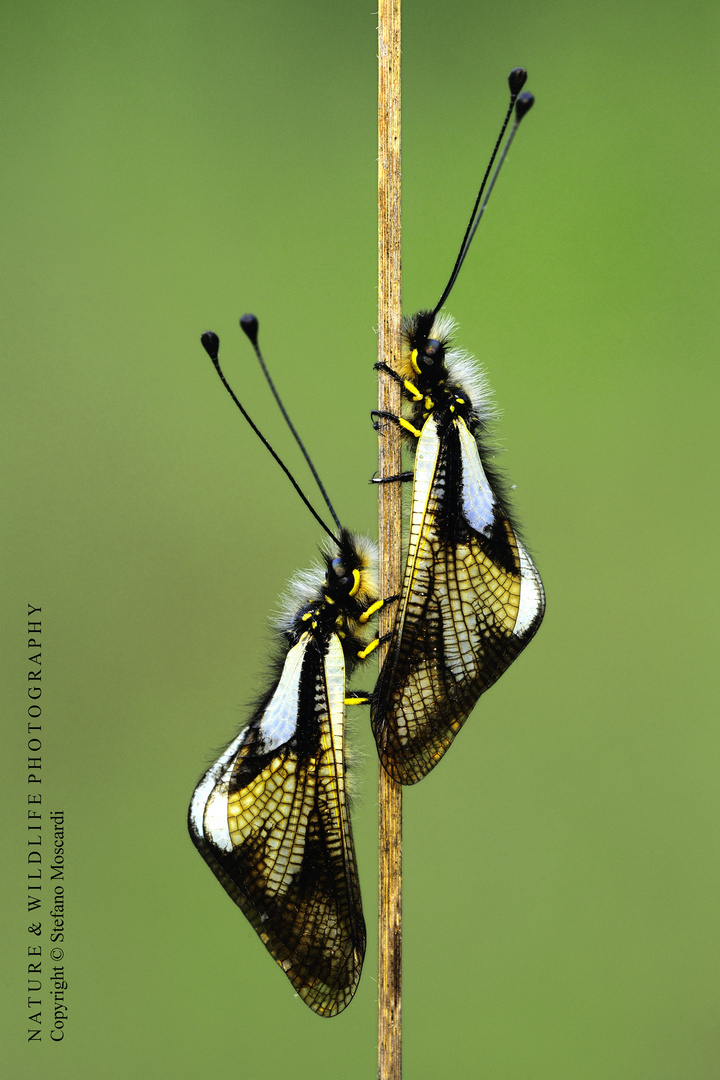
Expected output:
(250, 325)
(522, 104)
(211, 344)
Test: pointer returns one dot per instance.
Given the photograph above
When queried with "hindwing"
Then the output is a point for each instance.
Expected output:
(471, 600)
(271, 819)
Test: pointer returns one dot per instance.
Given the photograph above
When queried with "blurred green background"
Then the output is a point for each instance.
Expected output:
(166, 167)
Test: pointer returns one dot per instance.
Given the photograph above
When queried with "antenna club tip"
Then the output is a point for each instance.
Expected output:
(249, 325)
(211, 344)
(517, 79)
(523, 105)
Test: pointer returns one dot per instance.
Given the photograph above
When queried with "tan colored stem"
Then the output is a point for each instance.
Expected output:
(390, 525)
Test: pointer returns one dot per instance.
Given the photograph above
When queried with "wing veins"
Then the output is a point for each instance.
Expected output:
(459, 605)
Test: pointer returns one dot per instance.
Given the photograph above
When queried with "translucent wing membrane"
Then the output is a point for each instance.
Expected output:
(275, 829)
(471, 597)
(271, 816)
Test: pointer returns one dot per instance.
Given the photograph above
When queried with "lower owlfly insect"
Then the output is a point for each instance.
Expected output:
(471, 597)
(270, 816)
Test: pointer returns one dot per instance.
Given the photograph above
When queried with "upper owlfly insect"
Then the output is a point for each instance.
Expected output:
(271, 817)
(471, 597)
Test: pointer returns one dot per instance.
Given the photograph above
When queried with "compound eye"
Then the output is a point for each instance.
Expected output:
(432, 354)
(338, 569)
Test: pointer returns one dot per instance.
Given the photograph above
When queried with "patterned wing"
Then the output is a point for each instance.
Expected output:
(471, 601)
(271, 819)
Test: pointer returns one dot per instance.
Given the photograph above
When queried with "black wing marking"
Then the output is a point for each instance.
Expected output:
(471, 601)
(271, 820)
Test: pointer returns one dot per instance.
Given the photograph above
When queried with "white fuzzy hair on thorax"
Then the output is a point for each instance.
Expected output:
(465, 371)
(305, 587)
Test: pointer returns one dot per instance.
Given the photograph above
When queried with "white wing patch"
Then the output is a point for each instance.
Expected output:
(209, 806)
(208, 809)
(425, 464)
(335, 681)
(532, 595)
(280, 718)
(478, 501)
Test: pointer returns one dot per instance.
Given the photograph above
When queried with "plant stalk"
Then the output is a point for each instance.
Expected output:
(390, 526)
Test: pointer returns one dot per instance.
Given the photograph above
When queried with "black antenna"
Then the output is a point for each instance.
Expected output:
(522, 104)
(249, 324)
(211, 345)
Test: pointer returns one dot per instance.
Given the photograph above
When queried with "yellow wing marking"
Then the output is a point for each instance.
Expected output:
(291, 860)
(461, 596)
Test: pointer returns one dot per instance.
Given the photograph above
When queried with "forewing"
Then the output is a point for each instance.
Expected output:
(471, 600)
(271, 820)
